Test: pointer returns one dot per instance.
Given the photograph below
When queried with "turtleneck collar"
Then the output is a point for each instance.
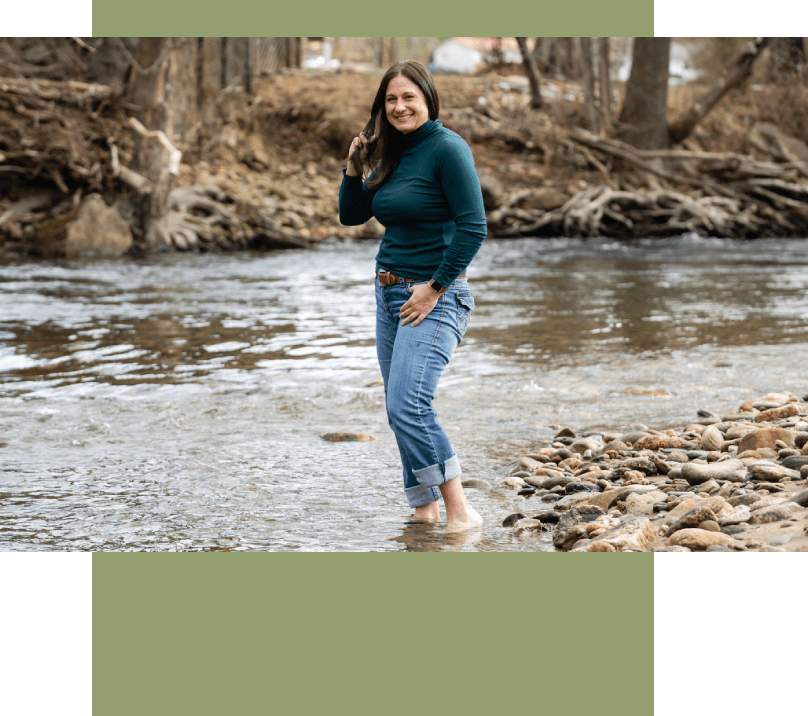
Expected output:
(427, 129)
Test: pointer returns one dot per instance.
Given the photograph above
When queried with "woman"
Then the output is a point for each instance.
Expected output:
(425, 191)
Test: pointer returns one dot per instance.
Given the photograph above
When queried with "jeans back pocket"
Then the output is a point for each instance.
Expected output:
(465, 304)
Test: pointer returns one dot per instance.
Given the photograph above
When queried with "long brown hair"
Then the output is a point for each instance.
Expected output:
(382, 152)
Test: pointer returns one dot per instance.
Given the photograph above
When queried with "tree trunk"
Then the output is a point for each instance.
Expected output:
(248, 66)
(588, 78)
(644, 112)
(541, 55)
(155, 160)
(532, 73)
(604, 69)
(223, 81)
(788, 59)
(736, 73)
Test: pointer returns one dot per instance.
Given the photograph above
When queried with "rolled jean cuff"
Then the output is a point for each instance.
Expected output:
(419, 495)
(434, 475)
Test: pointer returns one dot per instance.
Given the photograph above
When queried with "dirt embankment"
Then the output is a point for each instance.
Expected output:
(275, 161)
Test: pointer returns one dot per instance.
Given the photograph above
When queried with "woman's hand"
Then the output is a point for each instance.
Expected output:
(357, 141)
(424, 298)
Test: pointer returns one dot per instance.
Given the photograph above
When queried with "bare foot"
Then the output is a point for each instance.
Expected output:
(460, 515)
(466, 520)
(428, 513)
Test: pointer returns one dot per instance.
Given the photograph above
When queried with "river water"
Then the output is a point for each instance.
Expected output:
(176, 403)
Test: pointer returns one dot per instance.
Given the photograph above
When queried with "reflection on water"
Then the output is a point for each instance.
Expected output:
(176, 403)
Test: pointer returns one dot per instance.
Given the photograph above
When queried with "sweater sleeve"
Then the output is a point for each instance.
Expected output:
(355, 201)
(461, 187)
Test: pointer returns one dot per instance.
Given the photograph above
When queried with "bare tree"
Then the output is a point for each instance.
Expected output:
(532, 71)
(156, 161)
(644, 113)
(788, 59)
(733, 76)
(604, 70)
(588, 78)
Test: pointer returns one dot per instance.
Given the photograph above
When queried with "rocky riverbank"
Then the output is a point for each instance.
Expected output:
(722, 483)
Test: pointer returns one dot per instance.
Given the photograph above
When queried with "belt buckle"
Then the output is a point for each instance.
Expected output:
(386, 278)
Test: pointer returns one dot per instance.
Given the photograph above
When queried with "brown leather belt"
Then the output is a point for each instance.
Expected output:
(388, 278)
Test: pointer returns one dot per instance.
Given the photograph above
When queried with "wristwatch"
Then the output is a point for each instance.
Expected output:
(437, 287)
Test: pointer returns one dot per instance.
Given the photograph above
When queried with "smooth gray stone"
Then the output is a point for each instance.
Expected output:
(718, 548)
(782, 539)
(698, 474)
(801, 498)
(795, 462)
(551, 516)
(511, 520)
(573, 487)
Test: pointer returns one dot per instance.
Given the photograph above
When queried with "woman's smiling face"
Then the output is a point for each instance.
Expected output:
(405, 105)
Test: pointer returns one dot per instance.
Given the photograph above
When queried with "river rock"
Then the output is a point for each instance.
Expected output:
(566, 433)
(747, 499)
(583, 444)
(615, 446)
(528, 463)
(768, 416)
(605, 500)
(631, 535)
(511, 520)
(759, 454)
(795, 462)
(475, 483)
(662, 467)
(697, 539)
(550, 517)
(801, 498)
(548, 483)
(642, 503)
(741, 515)
(633, 436)
(770, 471)
(573, 487)
(347, 436)
(774, 513)
(564, 535)
(712, 438)
(696, 474)
(641, 464)
(97, 231)
(719, 548)
(672, 548)
(800, 439)
(710, 526)
(659, 442)
(718, 505)
(513, 482)
(692, 518)
(526, 524)
(765, 438)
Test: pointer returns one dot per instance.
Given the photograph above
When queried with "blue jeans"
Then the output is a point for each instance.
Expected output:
(412, 360)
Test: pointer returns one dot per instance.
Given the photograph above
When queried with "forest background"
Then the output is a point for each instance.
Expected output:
(113, 146)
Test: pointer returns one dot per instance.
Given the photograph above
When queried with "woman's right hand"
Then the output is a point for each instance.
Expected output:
(357, 141)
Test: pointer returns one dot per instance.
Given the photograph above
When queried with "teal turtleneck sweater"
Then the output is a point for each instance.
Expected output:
(431, 207)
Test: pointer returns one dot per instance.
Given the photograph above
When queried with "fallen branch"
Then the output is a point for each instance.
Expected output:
(735, 74)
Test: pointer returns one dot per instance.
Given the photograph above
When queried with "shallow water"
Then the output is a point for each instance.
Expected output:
(176, 403)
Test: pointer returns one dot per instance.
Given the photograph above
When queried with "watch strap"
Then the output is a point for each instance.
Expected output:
(437, 287)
